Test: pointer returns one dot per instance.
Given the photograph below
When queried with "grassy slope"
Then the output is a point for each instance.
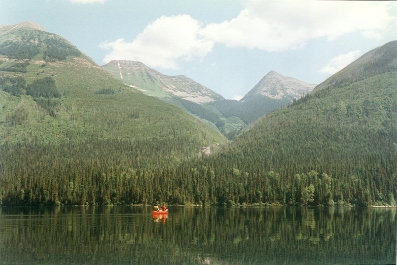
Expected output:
(144, 80)
(153, 83)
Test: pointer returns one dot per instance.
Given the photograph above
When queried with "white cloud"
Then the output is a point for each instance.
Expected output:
(262, 24)
(87, 1)
(289, 24)
(162, 43)
(339, 62)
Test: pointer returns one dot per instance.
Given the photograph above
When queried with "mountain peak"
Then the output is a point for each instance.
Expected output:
(28, 40)
(31, 25)
(273, 73)
(26, 24)
(276, 86)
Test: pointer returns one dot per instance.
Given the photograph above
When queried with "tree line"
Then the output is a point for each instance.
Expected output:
(119, 172)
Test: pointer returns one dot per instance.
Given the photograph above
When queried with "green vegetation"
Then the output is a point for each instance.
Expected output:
(58, 49)
(43, 88)
(70, 133)
(14, 66)
(28, 44)
(20, 50)
(155, 84)
(13, 85)
(375, 62)
(57, 111)
(248, 111)
(231, 117)
(337, 145)
(106, 91)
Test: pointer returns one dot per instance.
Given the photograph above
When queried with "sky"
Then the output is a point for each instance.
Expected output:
(226, 45)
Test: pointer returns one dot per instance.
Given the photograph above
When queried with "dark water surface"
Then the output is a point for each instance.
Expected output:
(129, 235)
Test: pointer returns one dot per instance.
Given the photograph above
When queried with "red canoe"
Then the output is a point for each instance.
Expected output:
(160, 212)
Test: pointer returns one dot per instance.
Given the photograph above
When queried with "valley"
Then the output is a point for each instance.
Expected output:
(75, 133)
(231, 117)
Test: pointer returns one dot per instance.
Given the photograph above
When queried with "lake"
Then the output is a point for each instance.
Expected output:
(129, 235)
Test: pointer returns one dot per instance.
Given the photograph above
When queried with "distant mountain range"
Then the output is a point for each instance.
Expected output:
(230, 116)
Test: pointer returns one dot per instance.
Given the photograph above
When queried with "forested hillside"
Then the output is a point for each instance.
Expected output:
(63, 118)
(180, 91)
(72, 134)
(336, 145)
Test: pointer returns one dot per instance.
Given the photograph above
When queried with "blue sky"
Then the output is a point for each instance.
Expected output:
(226, 45)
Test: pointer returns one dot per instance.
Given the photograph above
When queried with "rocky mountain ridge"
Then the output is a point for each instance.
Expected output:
(276, 86)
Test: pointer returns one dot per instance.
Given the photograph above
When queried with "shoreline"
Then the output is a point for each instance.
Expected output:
(254, 205)
(382, 206)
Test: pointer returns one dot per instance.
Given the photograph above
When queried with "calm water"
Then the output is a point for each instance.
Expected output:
(129, 235)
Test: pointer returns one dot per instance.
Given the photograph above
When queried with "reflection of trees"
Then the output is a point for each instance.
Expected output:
(197, 235)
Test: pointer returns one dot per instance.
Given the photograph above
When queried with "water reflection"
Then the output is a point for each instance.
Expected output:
(160, 218)
(128, 235)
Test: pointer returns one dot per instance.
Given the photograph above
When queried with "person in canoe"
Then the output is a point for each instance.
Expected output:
(160, 214)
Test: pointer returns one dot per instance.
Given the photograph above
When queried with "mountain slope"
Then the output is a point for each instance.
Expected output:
(229, 116)
(62, 115)
(153, 83)
(70, 133)
(377, 61)
(272, 92)
(179, 90)
(334, 145)
(43, 61)
(337, 145)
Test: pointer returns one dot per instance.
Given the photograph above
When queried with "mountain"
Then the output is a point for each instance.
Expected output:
(272, 92)
(337, 144)
(229, 116)
(63, 116)
(178, 90)
(277, 87)
(26, 24)
(375, 62)
(70, 133)
(153, 83)
(47, 77)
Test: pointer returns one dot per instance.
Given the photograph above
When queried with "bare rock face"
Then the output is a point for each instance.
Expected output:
(26, 24)
(278, 87)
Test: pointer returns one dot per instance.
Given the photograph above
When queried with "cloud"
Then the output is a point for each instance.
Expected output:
(162, 43)
(290, 24)
(339, 62)
(272, 26)
(87, 1)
